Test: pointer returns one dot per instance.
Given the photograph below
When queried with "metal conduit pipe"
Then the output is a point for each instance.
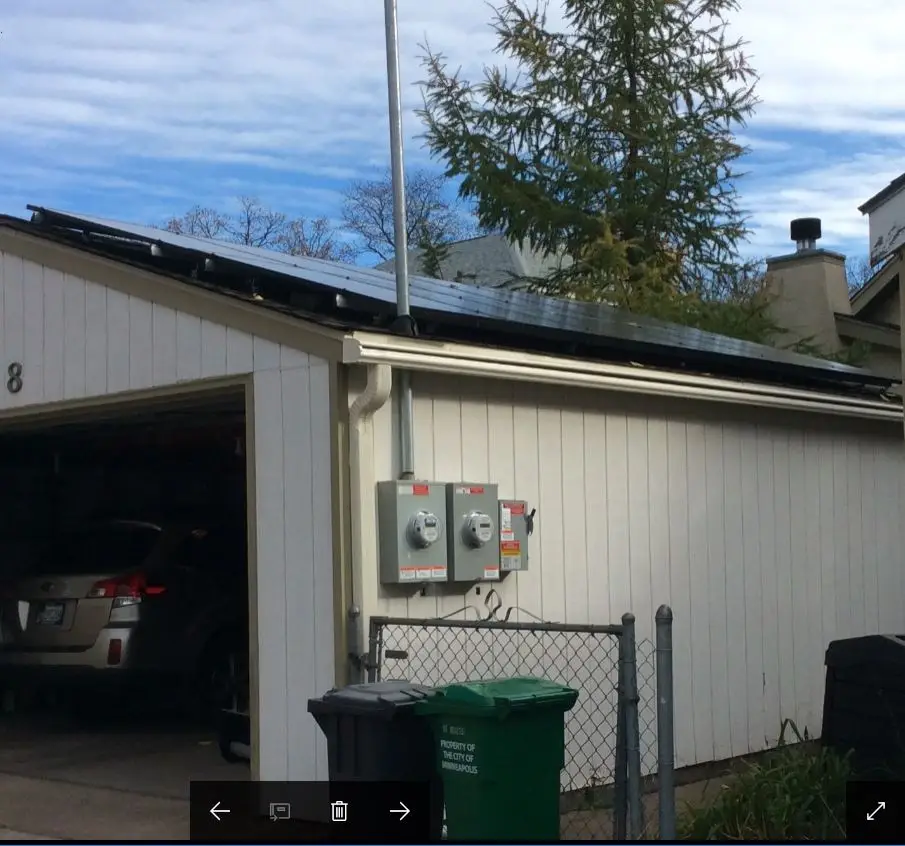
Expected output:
(404, 322)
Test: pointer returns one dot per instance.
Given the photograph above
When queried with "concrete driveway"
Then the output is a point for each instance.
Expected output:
(109, 777)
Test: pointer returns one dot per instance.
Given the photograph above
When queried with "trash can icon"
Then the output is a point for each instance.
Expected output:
(339, 811)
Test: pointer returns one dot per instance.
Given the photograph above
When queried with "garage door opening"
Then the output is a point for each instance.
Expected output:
(124, 594)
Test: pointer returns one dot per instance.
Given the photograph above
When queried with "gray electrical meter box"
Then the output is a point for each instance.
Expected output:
(472, 538)
(513, 522)
(411, 531)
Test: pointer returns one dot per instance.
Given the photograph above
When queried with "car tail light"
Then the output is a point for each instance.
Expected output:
(133, 586)
(115, 652)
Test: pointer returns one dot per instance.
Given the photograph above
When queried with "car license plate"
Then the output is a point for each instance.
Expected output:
(51, 614)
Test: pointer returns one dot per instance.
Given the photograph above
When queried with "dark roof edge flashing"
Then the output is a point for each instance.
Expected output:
(665, 360)
(662, 357)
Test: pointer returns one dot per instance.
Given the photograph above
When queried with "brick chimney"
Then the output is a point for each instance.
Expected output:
(808, 288)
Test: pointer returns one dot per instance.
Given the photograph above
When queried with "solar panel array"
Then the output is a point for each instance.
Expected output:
(518, 311)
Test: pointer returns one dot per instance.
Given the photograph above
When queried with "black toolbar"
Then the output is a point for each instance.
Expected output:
(322, 812)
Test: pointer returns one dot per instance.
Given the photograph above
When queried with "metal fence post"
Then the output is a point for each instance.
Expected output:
(666, 763)
(632, 729)
(620, 774)
(375, 632)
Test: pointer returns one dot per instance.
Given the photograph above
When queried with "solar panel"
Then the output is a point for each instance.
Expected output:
(517, 310)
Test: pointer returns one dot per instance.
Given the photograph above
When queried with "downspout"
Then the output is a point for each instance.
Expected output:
(404, 324)
(362, 485)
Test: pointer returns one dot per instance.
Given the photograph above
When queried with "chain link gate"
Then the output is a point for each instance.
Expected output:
(601, 782)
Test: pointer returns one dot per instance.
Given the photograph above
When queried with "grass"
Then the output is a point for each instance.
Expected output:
(795, 793)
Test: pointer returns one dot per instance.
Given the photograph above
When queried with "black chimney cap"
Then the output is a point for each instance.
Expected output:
(805, 229)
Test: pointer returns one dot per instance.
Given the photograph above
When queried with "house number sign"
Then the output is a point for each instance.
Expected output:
(14, 380)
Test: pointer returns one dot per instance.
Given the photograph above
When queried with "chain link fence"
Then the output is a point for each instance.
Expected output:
(611, 738)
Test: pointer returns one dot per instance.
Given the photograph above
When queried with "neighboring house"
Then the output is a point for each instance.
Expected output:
(811, 302)
(756, 491)
(491, 260)
(886, 226)
(886, 220)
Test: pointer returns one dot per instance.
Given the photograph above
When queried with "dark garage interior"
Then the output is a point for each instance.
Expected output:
(124, 593)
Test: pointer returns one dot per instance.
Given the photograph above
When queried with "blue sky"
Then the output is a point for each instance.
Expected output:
(137, 110)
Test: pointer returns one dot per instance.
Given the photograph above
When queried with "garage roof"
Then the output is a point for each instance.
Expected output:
(363, 298)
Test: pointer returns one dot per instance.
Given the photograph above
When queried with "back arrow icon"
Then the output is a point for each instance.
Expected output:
(217, 810)
(402, 811)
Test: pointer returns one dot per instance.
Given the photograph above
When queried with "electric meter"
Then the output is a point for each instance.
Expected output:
(409, 525)
(477, 530)
(423, 529)
(472, 540)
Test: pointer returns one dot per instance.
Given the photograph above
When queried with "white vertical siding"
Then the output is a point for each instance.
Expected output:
(77, 340)
(769, 536)
(295, 563)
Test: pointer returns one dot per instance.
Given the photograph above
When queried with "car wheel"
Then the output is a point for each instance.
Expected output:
(223, 677)
(226, 752)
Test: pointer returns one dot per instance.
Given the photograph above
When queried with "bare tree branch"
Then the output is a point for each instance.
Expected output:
(858, 272)
(430, 216)
(315, 238)
(200, 222)
(256, 225)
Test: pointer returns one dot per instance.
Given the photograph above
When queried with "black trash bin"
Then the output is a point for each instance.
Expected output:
(864, 704)
(373, 734)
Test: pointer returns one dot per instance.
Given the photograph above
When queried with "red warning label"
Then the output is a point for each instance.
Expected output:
(513, 547)
(420, 490)
(517, 508)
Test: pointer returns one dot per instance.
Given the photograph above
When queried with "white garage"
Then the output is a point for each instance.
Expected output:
(91, 337)
(758, 493)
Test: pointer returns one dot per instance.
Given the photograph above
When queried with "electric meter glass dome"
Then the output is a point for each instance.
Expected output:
(424, 529)
(478, 529)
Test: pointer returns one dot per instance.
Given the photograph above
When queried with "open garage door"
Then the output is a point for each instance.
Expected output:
(124, 593)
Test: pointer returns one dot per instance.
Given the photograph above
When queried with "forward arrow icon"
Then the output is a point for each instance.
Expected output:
(402, 810)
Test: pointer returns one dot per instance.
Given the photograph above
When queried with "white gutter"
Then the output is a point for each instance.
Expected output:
(494, 363)
(362, 507)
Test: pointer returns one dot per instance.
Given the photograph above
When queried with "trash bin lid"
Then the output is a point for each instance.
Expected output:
(888, 649)
(385, 698)
(500, 696)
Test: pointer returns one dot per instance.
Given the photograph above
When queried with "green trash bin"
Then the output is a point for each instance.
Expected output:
(500, 750)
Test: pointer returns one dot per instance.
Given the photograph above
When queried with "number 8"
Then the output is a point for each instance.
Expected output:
(14, 383)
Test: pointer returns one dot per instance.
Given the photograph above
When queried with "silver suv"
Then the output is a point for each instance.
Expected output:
(130, 599)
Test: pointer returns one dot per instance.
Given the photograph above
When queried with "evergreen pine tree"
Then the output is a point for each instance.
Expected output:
(609, 137)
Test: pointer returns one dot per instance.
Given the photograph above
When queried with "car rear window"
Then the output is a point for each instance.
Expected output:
(98, 549)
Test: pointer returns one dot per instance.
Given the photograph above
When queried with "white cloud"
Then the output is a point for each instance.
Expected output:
(299, 88)
(765, 145)
(830, 191)
(838, 61)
